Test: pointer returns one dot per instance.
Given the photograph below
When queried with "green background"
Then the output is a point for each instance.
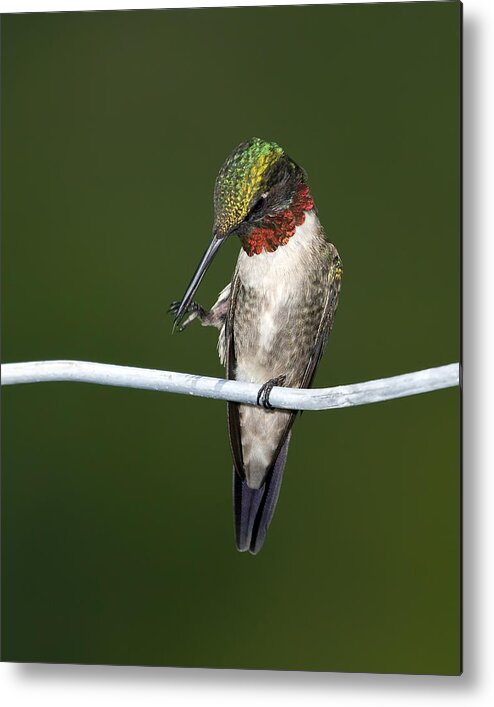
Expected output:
(116, 517)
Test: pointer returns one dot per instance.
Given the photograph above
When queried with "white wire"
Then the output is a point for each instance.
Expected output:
(188, 384)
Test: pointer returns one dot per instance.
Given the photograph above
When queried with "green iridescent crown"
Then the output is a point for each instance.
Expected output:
(241, 179)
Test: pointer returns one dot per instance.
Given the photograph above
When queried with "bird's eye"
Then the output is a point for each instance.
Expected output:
(258, 207)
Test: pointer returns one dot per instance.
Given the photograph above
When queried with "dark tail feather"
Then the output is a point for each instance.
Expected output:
(254, 508)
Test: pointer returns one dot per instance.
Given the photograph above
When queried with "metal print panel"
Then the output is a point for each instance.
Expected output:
(288, 177)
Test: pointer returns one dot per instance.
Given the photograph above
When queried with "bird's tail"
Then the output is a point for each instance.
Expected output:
(254, 508)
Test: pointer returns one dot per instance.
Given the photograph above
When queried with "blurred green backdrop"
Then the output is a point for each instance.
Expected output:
(116, 517)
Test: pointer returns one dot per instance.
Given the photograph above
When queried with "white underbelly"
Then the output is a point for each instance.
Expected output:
(256, 363)
(278, 281)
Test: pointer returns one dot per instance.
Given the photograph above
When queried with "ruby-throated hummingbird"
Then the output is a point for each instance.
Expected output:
(274, 317)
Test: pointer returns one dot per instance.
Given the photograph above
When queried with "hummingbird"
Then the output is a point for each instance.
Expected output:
(274, 317)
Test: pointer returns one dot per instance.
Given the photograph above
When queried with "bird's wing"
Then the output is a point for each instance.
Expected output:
(233, 408)
(327, 318)
(324, 329)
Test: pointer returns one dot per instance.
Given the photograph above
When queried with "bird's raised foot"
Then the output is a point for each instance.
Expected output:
(193, 310)
(265, 391)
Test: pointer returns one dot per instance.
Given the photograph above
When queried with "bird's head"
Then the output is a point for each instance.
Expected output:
(257, 180)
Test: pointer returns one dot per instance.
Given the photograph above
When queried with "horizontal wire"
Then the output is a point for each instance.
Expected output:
(341, 396)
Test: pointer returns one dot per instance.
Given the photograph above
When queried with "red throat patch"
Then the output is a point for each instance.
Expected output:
(277, 230)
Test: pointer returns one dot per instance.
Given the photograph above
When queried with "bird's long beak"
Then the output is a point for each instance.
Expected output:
(206, 261)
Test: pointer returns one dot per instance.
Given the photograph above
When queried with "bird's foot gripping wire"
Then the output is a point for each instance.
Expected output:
(194, 310)
(265, 391)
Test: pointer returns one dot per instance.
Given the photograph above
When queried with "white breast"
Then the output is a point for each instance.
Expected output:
(280, 272)
(278, 278)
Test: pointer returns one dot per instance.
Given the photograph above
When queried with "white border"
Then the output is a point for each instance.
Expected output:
(55, 685)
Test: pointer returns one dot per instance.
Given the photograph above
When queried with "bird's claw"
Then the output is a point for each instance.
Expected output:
(265, 391)
(193, 310)
(173, 308)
